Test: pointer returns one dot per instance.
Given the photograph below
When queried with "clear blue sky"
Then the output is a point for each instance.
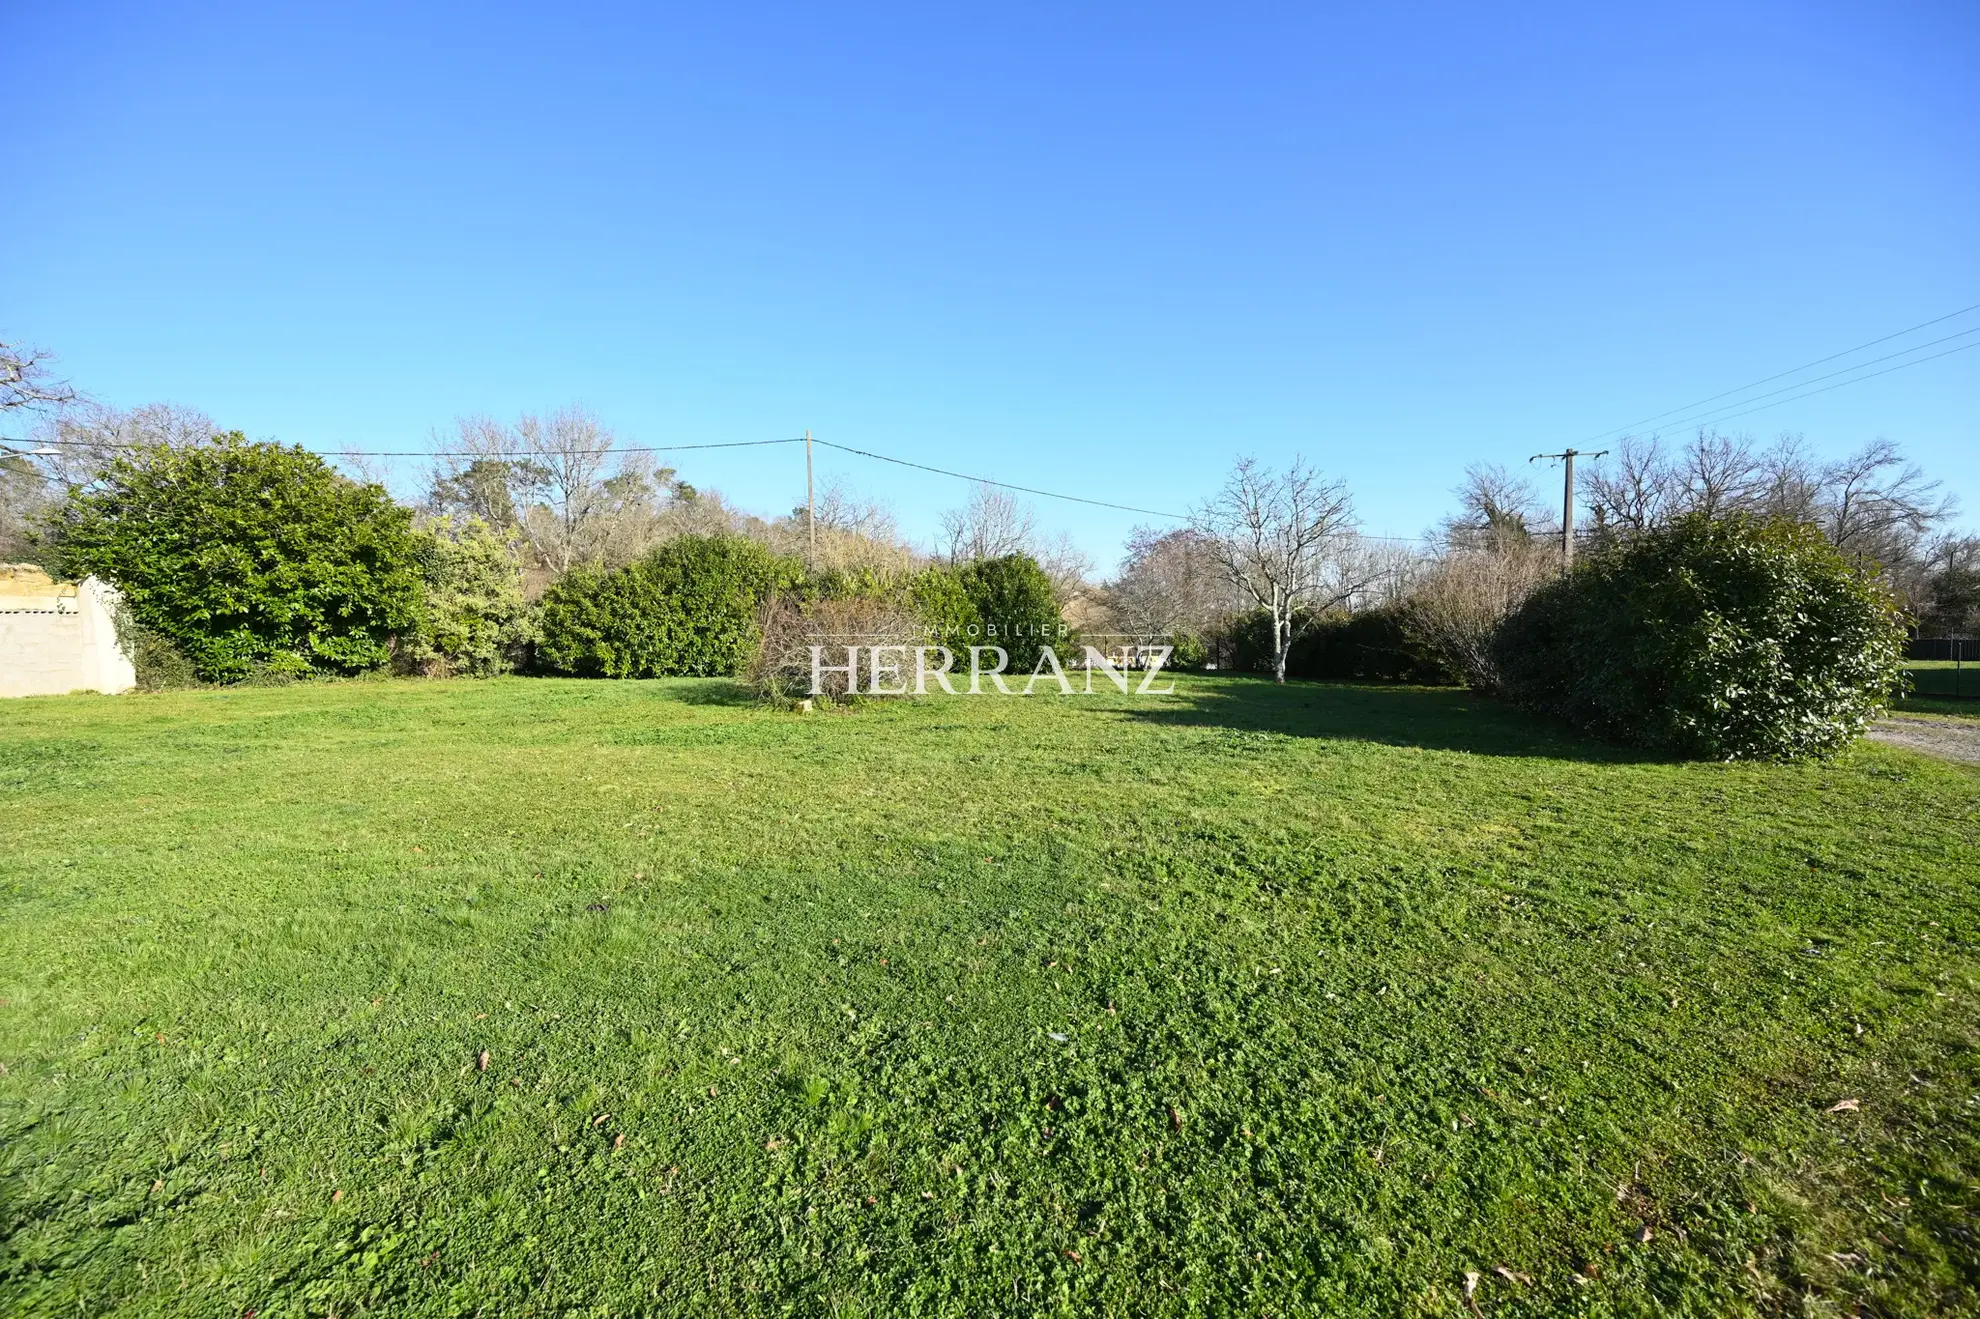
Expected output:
(1098, 249)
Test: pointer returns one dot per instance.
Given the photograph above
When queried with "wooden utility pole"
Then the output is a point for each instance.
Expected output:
(810, 505)
(1567, 498)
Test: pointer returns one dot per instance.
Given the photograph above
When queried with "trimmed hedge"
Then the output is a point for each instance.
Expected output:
(693, 607)
(1370, 646)
(1724, 640)
(688, 608)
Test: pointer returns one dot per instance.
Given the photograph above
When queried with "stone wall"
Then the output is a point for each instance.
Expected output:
(58, 637)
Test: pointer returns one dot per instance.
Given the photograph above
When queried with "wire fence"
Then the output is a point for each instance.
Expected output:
(1945, 668)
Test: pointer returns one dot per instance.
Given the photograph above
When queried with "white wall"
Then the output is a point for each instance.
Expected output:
(56, 637)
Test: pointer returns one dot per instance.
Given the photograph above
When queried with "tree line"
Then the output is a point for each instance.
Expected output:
(541, 544)
(1272, 573)
(544, 543)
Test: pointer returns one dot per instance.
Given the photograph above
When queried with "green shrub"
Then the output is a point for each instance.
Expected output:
(1727, 639)
(688, 607)
(1012, 599)
(1007, 602)
(1190, 651)
(1372, 645)
(249, 558)
(942, 601)
(476, 620)
(160, 666)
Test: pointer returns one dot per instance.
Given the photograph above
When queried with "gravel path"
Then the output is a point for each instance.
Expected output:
(1950, 739)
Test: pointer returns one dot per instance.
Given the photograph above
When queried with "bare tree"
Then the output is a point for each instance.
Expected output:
(1288, 545)
(688, 511)
(26, 383)
(1948, 596)
(1394, 569)
(992, 524)
(571, 449)
(1495, 507)
(838, 508)
(26, 500)
(1494, 553)
(1789, 484)
(1635, 492)
(1719, 474)
(1878, 507)
(27, 491)
(73, 447)
(1065, 564)
(480, 473)
(1712, 474)
(1171, 583)
(1873, 504)
(79, 442)
(1952, 552)
(642, 504)
(560, 485)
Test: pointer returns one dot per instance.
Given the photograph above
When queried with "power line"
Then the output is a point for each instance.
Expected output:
(984, 480)
(1840, 383)
(1714, 415)
(1182, 517)
(1050, 494)
(1820, 361)
(1842, 371)
(749, 444)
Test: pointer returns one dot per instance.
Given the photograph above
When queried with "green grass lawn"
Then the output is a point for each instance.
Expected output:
(542, 997)
(1942, 687)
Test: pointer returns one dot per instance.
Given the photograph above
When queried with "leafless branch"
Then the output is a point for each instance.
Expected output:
(1288, 544)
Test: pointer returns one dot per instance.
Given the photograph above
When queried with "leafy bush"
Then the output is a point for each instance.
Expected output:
(688, 607)
(477, 621)
(1190, 651)
(1007, 602)
(159, 665)
(249, 558)
(1728, 639)
(1012, 599)
(942, 601)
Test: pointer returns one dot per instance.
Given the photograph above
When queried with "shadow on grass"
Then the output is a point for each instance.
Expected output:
(1434, 718)
(712, 691)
